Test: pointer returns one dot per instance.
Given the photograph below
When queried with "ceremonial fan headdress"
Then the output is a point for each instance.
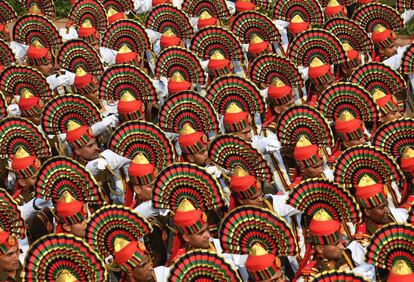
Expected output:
(210, 39)
(309, 11)
(303, 120)
(126, 32)
(59, 175)
(61, 110)
(246, 226)
(118, 5)
(407, 59)
(12, 225)
(376, 75)
(314, 44)
(40, 7)
(166, 16)
(338, 275)
(118, 231)
(312, 195)
(120, 79)
(372, 14)
(346, 96)
(410, 218)
(16, 132)
(63, 257)
(181, 181)
(232, 89)
(363, 160)
(133, 138)
(7, 57)
(15, 80)
(3, 106)
(75, 54)
(89, 10)
(265, 69)
(35, 29)
(202, 265)
(216, 8)
(177, 59)
(403, 5)
(395, 137)
(247, 25)
(188, 107)
(350, 32)
(229, 151)
(7, 13)
(261, 234)
(392, 247)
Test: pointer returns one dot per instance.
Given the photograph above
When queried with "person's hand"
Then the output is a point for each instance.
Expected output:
(13, 110)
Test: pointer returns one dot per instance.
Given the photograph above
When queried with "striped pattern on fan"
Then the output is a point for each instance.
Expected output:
(91, 10)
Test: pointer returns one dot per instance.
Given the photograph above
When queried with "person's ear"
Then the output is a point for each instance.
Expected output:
(49, 227)
(190, 158)
(186, 237)
(76, 150)
(67, 228)
(368, 212)
(319, 249)
(277, 110)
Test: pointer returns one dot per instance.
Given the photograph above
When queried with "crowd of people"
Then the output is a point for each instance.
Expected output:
(207, 140)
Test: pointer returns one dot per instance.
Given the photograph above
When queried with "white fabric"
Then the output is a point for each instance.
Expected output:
(104, 124)
(14, 110)
(395, 61)
(68, 34)
(407, 15)
(108, 55)
(19, 50)
(114, 160)
(147, 210)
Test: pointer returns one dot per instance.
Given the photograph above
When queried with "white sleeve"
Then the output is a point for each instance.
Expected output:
(53, 81)
(281, 208)
(142, 6)
(19, 50)
(114, 160)
(108, 55)
(66, 36)
(407, 16)
(358, 252)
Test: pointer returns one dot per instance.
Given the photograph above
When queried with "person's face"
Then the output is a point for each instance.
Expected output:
(245, 134)
(200, 158)
(256, 200)
(9, 262)
(78, 229)
(96, 45)
(47, 68)
(144, 192)
(391, 116)
(200, 239)
(29, 182)
(380, 214)
(346, 72)
(331, 251)
(313, 171)
(354, 142)
(93, 96)
(390, 51)
(88, 152)
(144, 271)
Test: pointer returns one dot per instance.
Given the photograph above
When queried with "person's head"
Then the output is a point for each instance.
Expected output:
(354, 60)
(218, 65)
(192, 225)
(132, 258)
(113, 15)
(130, 108)
(126, 56)
(334, 9)
(400, 272)
(25, 168)
(30, 106)
(280, 96)
(297, 25)
(206, 20)
(263, 266)
(142, 175)
(72, 214)
(325, 236)
(86, 84)
(350, 130)
(9, 252)
(258, 47)
(194, 145)
(388, 105)
(169, 39)
(81, 139)
(320, 74)
(4, 33)
(246, 188)
(373, 199)
(40, 58)
(40, 224)
(384, 41)
(237, 122)
(90, 34)
(308, 158)
(177, 83)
